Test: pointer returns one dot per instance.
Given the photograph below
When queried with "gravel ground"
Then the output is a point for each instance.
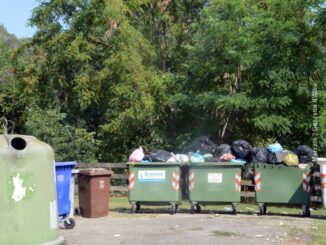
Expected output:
(143, 229)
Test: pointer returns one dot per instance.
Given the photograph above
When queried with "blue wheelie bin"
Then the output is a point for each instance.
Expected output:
(65, 193)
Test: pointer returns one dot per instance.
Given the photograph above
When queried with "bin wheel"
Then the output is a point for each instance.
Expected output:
(135, 208)
(192, 209)
(306, 210)
(177, 208)
(262, 209)
(69, 223)
(77, 211)
(173, 209)
(234, 208)
(197, 209)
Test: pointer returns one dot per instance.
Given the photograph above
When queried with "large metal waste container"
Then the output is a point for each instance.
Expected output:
(65, 192)
(276, 184)
(93, 191)
(154, 184)
(28, 206)
(214, 183)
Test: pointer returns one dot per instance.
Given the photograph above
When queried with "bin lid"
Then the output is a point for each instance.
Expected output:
(131, 164)
(66, 164)
(95, 172)
(321, 160)
(223, 164)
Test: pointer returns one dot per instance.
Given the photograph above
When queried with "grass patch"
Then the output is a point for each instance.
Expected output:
(318, 233)
(121, 202)
(224, 233)
(196, 229)
(283, 210)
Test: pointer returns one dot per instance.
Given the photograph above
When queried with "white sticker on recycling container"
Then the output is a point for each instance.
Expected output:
(151, 175)
(215, 177)
(53, 215)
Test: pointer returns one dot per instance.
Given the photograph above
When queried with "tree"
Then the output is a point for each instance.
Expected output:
(251, 69)
(69, 143)
(93, 63)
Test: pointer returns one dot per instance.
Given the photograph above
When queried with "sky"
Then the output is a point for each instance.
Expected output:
(14, 15)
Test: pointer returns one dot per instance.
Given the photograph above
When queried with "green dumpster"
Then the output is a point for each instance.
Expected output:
(28, 203)
(214, 183)
(154, 184)
(277, 184)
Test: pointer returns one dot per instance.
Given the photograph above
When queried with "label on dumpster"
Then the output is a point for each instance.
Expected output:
(215, 177)
(151, 175)
(53, 215)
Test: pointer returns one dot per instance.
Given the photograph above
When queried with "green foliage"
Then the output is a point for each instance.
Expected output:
(69, 143)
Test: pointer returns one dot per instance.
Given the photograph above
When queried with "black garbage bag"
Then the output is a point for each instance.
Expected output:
(222, 149)
(242, 149)
(305, 154)
(159, 156)
(202, 144)
(271, 158)
(147, 157)
(259, 155)
(305, 159)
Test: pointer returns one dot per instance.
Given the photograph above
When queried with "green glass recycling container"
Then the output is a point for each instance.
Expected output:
(28, 203)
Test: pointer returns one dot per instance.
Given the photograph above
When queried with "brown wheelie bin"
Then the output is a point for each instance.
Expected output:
(93, 191)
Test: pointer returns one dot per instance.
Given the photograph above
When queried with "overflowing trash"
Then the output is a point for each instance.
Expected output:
(159, 156)
(291, 159)
(305, 153)
(202, 149)
(275, 147)
(137, 155)
(241, 149)
(179, 158)
(201, 144)
(259, 155)
(196, 158)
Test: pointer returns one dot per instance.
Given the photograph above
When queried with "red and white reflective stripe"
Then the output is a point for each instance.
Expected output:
(176, 181)
(237, 182)
(306, 182)
(191, 180)
(131, 179)
(323, 181)
(257, 181)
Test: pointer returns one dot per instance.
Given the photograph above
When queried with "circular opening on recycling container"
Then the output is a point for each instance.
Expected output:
(18, 143)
